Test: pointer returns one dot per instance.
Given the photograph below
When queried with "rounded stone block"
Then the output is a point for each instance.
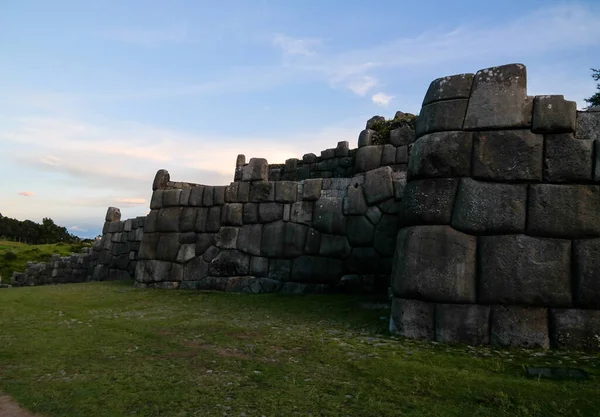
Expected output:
(441, 116)
(438, 155)
(434, 263)
(466, 323)
(402, 136)
(378, 185)
(519, 269)
(553, 114)
(448, 88)
(499, 99)
(586, 289)
(257, 169)
(575, 329)
(368, 158)
(516, 326)
(485, 207)
(428, 201)
(508, 155)
(161, 179)
(565, 211)
(567, 159)
(229, 263)
(412, 319)
(113, 214)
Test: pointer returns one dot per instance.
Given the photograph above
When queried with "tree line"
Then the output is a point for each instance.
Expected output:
(33, 233)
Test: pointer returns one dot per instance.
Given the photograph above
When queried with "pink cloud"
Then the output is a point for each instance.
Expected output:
(27, 193)
(131, 201)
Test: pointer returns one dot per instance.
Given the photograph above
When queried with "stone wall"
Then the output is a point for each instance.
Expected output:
(116, 254)
(500, 237)
(259, 235)
(113, 257)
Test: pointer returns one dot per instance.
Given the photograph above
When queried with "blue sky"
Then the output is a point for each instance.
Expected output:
(97, 96)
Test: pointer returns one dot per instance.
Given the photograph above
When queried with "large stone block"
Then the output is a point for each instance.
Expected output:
(148, 246)
(567, 159)
(428, 201)
(412, 319)
(334, 246)
(388, 156)
(515, 326)
(187, 222)
(259, 267)
(499, 99)
(302, 212)
(328, 216)
(553, 114)
(294, 239)
(588, 125)
(168, 247)
(402, 136)
(462, 323)
(508, 155)
(195, 270)
(219, 195)
(213, 219)
(355, 203)
(156, 200)
(171, 198)
(168, 219)
(249, 239)
(378, 185)
(203, 242)
(229, 263)
(270, 212)
(313, 269)
(434, 263)
(280, 269)
(444, 154)
(227, 237)
(156, 271)
(272, 239)
(366, 138)
(566, 211)
(367, 158)
(519, 269)
(493, 208)
(196, 196)
(313, 242)
(161, 179)
(186, 252)
(386, 234)
(285, 191)
(256, 170)
(360, 231)
(113, 214)
(575, 329)
(201, 215)
(231, 192)
(233, 213)
(449, 88)
(441, 116)
(312, 189)
(261, 191)
(209, 196)
(586, 284)
(250, 213)
(243, 192)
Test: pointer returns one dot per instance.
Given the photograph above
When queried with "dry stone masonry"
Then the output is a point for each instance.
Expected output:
(484, 211)
(500, 237)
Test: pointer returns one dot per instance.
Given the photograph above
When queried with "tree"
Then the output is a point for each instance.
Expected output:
(595, 99)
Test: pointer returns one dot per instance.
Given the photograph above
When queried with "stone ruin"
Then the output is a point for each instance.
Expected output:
(482, 216)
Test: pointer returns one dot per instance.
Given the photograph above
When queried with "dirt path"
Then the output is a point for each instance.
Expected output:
(10, 408)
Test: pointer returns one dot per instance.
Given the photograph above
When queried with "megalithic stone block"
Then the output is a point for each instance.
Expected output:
(499, 99)
(567, 159)
(466, 323)
(113, 214)
(434, 263)
(449, 88)
(256, 170)
(444, 154)
(517, 326)
(412, 319)
(441, 116)
(161, 179)
(553, 114)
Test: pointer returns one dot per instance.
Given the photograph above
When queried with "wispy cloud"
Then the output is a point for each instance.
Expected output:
(382, 99)
(132, 201)
(149, 37)
(295, 46)
(77, 229)
(27, 193)
(362, 85)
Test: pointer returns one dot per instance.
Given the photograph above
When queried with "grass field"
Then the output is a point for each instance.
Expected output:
(14, 256)
(106, 349)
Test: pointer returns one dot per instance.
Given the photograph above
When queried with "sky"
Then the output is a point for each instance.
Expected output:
(95, 97)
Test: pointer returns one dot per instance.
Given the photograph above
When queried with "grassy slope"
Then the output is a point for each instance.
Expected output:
(106, 349)
(26, 253)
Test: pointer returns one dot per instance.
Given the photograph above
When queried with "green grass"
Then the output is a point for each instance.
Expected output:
(14, 256)
(106, 349)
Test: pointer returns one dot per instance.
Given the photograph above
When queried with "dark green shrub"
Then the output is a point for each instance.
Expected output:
(10, 256)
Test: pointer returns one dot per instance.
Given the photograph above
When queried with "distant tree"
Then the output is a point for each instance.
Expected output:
(33, 233)
(595, 99)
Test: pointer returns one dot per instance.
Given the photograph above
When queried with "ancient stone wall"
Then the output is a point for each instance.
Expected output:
(265, 235)
(113, 257)
(500, 237)
(116, 253)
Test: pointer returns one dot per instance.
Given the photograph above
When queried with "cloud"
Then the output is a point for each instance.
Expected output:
(77, 229)
(382, 99)
(293, 46)
(131, 201)
(362, 85)
(149, 37)
(27, 193)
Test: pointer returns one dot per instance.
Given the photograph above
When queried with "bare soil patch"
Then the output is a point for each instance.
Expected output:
(10, 408)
